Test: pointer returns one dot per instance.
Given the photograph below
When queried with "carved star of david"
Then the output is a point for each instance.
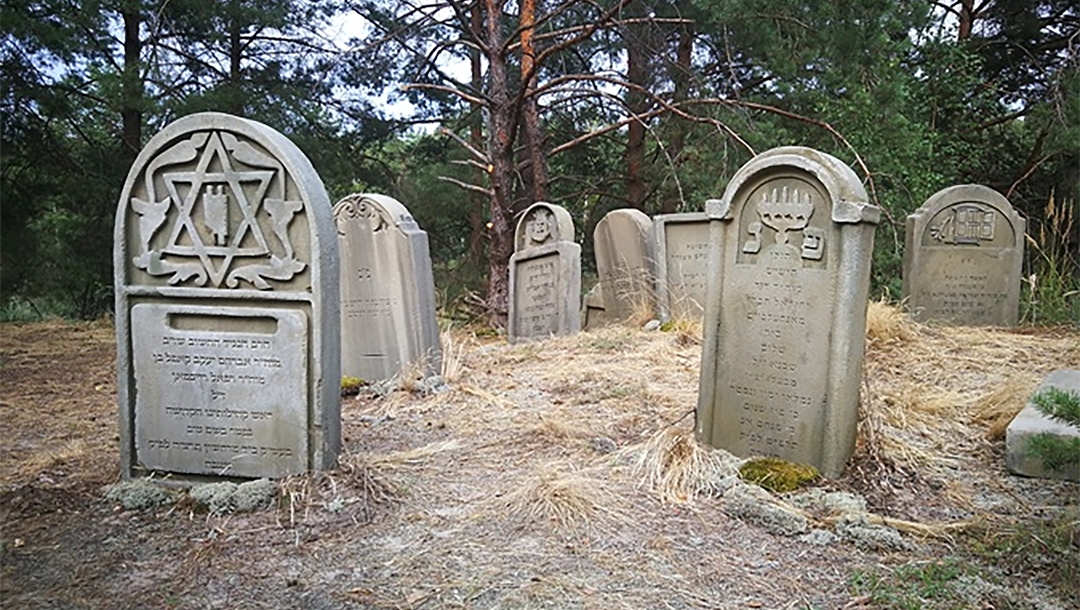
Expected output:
(217, 259)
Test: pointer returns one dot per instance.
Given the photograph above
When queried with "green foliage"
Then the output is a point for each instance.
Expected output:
(912, 586)
(1064, 406)
(777, 475)
(1034, 549)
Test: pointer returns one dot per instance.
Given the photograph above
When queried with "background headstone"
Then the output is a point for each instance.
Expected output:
(682, 271)
(963, 257)
(545, 275)
(785, 316)
(226, 271)
(592, 309)
(388, 321)
(625, 259)
(1031, 422)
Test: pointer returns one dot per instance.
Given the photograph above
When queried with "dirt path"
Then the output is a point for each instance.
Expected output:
(522, 487)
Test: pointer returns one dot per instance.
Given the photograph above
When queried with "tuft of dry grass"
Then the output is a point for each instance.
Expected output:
(680, 469)
(453, 356)
(997, 408)
(887, 324)
(557, 492)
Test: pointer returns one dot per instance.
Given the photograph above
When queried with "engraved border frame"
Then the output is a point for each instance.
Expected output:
(324, 398)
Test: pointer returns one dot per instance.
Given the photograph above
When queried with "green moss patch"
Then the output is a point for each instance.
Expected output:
(777, 475)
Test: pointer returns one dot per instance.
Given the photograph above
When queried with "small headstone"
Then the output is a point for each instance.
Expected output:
(592, 309)
(625, 262)
(1032, 422)
(963, 257)
(682, 251)
(545, 275)
(388, 322)
(227, 317)
(785, 315)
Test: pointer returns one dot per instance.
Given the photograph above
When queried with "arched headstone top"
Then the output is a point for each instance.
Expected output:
(216, 201)
(802, 170)
(541, 224)
(381, 211)
(969, 214)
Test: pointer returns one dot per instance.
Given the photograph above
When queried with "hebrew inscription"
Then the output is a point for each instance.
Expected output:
(221, 402)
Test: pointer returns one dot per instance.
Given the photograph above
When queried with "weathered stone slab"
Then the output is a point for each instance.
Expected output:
(227, 307)
(593, 314)
(1031, 422)
(625, 262)
(963, 257)
(545, 275)
(682, 253)
(388, 322)
(785, 316)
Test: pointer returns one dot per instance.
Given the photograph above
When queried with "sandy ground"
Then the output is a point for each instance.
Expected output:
(527, 485)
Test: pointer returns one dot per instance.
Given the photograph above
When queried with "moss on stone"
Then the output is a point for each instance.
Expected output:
(777, 475)
(350, 386)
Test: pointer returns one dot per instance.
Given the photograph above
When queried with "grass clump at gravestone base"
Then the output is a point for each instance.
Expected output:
(350, 386)
(1064, 406)
(777, 475)
(1051, 292)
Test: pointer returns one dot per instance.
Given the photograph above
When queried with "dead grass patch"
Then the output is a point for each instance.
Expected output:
(680, 469)
(561, 494)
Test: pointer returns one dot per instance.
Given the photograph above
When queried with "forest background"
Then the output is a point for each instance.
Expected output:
(467, 112)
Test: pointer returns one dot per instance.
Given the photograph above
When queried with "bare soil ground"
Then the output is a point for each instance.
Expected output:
(530, 484)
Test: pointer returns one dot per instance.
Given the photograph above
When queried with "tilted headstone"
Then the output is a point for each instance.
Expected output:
(388, 322)
(545, 275)
(1031, 423)
(227, 309)
(785, 315)
(682, 254)
(625, 263)
(963, 257)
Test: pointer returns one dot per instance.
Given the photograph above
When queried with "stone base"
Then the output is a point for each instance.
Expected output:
(1031, 422)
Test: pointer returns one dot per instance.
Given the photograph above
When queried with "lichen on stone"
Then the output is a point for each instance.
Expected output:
(217, 497)
(757, 506)
(139, 494)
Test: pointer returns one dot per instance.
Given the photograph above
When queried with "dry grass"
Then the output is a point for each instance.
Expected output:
(680, 469)
(886, 324)
(560, 493)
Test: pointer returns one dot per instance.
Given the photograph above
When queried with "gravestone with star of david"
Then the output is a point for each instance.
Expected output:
(227, 308)
(545, 275)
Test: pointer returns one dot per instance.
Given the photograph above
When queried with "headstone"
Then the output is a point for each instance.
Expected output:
(1032, 422)
(545, 275)
(227, 309)
(785, 315)
(963, 257)
(592, 309)
(682, 253)
(625, 263)
(388, 322)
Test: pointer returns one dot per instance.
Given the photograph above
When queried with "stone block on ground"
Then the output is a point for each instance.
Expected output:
(1031, 422)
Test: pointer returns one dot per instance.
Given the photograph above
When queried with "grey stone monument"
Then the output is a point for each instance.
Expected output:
(388, 322)
(227, 308)
(545, 275)
(785, 314)
(963, 256)
(1031, 422)
(625, 262)
(592, 309)
(682, 271)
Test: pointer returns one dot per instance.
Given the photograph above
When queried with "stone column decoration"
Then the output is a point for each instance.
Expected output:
(545, 275)
(625, 262)
(682, 271)
(227, 308)
(963, 256)
(785, 316)
(388, 322)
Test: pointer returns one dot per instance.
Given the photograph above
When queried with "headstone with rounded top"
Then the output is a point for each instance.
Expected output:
(625, 262)
(388, 322)
(785, 315)
(545, 275)
(963, 257)
(226, 275)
